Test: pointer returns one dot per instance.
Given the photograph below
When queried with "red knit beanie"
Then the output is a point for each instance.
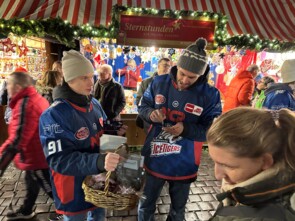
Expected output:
(20, 69)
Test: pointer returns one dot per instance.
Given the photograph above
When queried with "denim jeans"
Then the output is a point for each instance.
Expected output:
(95, 215)
(178, 192)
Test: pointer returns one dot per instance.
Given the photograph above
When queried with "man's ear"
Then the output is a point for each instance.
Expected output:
(267, 161)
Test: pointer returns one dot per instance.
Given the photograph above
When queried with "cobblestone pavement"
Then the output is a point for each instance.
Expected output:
(200, 206)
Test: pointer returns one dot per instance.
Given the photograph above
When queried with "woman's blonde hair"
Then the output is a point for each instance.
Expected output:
(51, 78)
(252, 132)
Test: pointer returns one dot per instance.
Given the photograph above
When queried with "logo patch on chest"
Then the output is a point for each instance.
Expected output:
(160, 149)
(82, 133)
(193, 109)
(160, 99)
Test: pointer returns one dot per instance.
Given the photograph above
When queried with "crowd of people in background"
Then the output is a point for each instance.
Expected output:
(61, 117)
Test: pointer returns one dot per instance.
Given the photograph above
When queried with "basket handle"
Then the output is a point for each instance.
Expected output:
(107, 181)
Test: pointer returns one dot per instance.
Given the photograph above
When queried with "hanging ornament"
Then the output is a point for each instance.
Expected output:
(242, 52)
(85, 41)
(88, 48)
(112, 51)
(126, 50)
(171, 51)
(221, 55)
(97, 58)
(119, 50)
(125, 59)
(145, 57)
(266, 65)
(132, 55)
(9, 45)
(137, 52)
(219, 69)
(23, 49)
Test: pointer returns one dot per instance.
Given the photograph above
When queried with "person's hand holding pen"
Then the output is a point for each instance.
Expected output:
(157, 116)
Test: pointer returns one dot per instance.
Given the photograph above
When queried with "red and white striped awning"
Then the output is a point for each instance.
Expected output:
(269, 19)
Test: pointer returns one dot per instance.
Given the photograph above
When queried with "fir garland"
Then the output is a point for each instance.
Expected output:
(66, 33)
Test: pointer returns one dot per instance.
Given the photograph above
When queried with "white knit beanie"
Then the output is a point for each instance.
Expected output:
(288, 71)
(194, 57)
(74, 64)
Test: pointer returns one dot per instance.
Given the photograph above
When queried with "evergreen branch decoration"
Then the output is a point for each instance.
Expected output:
(66, 33)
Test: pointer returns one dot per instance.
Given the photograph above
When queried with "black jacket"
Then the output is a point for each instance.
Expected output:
(268, 199)
(113, 100)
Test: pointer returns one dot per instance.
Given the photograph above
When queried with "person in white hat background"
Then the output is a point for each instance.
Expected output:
(282, 95)
(180, 106)
(69, 133)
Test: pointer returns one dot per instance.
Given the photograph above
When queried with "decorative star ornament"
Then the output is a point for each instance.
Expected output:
(23, 49)
(171, 51)
(177, 25)
(9, 45)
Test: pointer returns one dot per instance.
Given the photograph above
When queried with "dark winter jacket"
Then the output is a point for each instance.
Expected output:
(112, 100)
(46, 92)
(27, 106)
(279, 96)
(268, 196)
(70, 133)
(143, 86)
(196, 107)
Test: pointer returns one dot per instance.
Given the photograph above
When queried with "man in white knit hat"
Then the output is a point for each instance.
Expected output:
(282, 95)
(69, 132)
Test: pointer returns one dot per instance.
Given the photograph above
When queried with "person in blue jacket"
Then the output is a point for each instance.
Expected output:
(181, 107)
(282, 95)
(70, 133)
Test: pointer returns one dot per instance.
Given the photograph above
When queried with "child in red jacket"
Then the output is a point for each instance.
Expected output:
(132, 73)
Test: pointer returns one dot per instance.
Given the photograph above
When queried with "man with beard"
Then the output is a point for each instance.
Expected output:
(181, 107)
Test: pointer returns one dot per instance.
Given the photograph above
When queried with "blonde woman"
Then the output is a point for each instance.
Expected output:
(254, 155)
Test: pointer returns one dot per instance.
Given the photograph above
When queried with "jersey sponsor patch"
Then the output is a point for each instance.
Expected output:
(160, 149)
(82, 133)
(193, 109)
(160, 99)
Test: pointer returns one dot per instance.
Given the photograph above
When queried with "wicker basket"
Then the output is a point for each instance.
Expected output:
(106, 199)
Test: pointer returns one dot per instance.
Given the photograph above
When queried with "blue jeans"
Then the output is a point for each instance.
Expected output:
(178, 192)
(95, 215)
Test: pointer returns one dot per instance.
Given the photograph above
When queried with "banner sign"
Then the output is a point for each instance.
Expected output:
(163, 32)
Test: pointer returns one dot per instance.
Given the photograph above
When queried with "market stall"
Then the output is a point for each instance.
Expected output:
(234, 37)
(28, 53)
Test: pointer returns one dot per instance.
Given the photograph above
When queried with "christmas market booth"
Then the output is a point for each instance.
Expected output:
(238, 33)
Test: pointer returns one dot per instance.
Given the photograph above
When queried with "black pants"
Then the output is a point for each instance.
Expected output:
(34, 179)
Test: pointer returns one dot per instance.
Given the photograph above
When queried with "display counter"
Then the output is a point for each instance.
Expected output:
(135, 135)
(3, 125)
